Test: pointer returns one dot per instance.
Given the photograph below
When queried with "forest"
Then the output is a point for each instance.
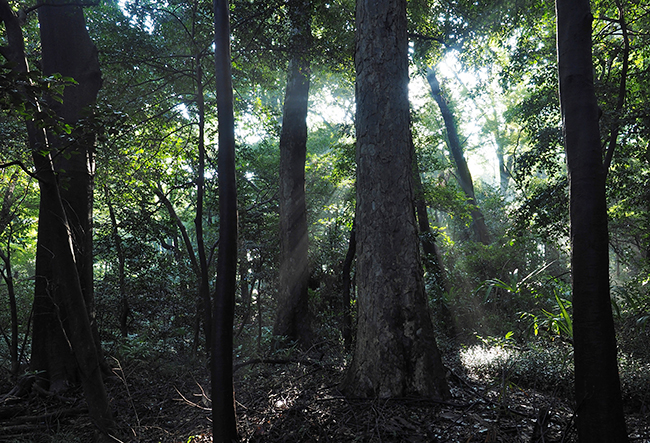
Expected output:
(325, 221)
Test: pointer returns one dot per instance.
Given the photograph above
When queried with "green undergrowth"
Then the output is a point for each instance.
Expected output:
(547, 365)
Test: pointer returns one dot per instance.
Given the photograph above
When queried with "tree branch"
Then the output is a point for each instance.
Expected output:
(616, 125)
(80, 4)
(21, 165)
(416, 36)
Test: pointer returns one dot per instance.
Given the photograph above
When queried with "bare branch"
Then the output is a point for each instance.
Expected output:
(21, 165)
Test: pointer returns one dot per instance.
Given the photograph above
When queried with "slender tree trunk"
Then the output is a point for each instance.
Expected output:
(504, 170)
(463, 174)
(204, 285)
(13, 309)
(224, 424)
(187, 241)
(432, 256)
(121, 270)
(395, 352)
(246, 293)
(201, 304)
(6, 218)
(292, 320)
(598, 396)
(347, 286)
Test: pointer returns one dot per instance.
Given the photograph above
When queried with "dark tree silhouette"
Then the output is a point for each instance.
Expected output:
(598, 394)
(224, 425)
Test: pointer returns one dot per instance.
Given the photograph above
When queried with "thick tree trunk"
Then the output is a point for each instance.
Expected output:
(462, 171)
(395, 352)
(63, 347)
(292, 319)
(224, 424)
(68, 50)
(69, 352)
(598, 396)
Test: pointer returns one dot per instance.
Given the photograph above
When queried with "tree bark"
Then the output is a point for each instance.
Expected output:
(464, 177)
(68, 50)
(395, 352)
(64, 348)
(292, 319)
(224, 424)
(598, 396)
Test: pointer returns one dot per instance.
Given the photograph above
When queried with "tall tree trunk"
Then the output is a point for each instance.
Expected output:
(598, 395)
(13, 308)
(224, 424)
(204, 285)
(121, 267)
(504, 165)
(63, 348)
(6, 218)
(292, 319)
(395, 352)
(462, 171)
(432, 257)
(68, 50)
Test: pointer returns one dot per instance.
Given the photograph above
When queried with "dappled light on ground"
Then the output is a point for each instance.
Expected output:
(499, 394)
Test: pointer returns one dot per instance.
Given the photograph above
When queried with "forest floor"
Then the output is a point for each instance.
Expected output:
(296, 399)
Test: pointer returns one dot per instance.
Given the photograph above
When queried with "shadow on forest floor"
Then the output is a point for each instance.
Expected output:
(297, 400)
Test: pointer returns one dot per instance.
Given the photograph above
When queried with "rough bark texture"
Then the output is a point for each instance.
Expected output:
(292, 318)
(462, 171)
(224, 425)
(395, 352)
(598, 396)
